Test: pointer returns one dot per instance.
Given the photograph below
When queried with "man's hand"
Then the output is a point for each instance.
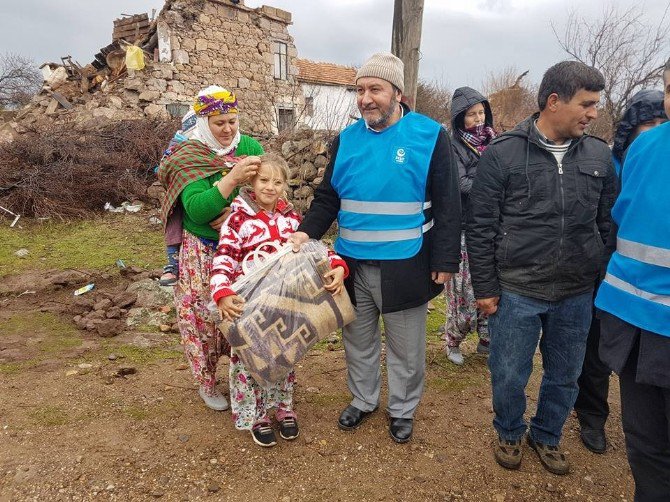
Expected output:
(231, 307)
(218, 222)
(441, 277)
(334, 280)
(488, 305)
(297, 239)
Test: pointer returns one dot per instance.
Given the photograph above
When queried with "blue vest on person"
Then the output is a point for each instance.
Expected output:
(637, 284)
(381, 180)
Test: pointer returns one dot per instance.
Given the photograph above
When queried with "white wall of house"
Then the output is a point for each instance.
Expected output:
(332, 106)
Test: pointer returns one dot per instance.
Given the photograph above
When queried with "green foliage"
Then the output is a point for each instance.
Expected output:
(91, 244)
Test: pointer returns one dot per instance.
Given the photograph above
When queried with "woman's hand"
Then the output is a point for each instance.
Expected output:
(244, 170)
(218, 221)
(334, 280)
(231, 307)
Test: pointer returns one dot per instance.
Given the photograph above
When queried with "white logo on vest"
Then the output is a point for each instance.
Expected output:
(400, 156)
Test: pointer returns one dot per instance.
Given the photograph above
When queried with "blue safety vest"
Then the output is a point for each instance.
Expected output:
(381, 180)
(637, 284)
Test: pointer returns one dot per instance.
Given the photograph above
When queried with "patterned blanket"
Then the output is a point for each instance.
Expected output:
(287, 311)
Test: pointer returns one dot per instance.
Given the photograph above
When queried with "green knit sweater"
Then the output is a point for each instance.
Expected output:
(203, 202)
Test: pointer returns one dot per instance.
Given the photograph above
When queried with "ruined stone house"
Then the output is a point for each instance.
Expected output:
(190, 44)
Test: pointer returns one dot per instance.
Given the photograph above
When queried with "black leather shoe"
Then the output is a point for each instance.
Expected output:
(401, 429)
(594, 439)
(352, 417)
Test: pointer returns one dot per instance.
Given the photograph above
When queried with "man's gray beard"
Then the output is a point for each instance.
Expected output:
(382, 121)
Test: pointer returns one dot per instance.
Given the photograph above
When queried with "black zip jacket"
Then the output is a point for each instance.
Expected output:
(406, 283)
(535, 227)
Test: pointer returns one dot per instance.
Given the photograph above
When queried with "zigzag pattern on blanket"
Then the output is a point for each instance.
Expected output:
(287, 312)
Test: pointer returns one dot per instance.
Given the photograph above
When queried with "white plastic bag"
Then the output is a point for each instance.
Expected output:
(287, 311)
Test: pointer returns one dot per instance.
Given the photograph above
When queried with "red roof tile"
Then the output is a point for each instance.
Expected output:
(325, 73)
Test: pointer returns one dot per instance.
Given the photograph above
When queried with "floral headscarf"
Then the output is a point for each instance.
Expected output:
(214, 100)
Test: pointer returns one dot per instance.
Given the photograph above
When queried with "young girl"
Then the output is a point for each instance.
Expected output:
(259, 216)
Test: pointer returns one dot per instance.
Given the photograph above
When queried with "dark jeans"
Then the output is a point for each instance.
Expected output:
(515, 330)
(645, 414)
(173, 259)
(594, 382)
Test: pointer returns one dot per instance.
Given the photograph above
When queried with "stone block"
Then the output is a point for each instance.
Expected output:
(149, 96)
(243, 83)
(201, 44)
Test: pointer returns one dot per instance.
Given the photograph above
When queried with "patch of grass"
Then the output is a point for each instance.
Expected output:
(453, 383)
(89, 244)
(140, 355)
(15, 367)
(49, 415)
(327, 399)
(437, 316)
(56, 335)
(136, 413)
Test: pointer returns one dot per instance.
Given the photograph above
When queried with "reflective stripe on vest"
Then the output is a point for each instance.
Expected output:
(651, 255)
(385, 235)
(397, 208)
(629, 288)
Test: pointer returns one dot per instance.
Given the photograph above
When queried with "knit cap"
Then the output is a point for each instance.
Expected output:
(386, 66)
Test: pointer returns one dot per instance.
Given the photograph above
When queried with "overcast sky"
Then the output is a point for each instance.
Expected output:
(463, 40)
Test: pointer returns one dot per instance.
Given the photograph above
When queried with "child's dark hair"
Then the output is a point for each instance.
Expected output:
(277, 162)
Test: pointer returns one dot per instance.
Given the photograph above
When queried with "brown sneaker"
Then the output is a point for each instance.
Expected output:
(507, 453)
(551, 457)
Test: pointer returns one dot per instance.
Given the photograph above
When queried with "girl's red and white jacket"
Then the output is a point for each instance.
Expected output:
(247, 227)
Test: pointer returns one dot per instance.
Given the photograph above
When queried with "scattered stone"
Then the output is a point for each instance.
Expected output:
(150, 294)
(112, 357)
(108, 328)
(184, 438)
(68, 277)
(157, 494)
(125, 300)
(213, 488)
(125, 370)
(550, 488)
(103, 304)
(165, 328)
(22, 253)
(313, 390)
(113, 313)
(71, 373)
(85, 366)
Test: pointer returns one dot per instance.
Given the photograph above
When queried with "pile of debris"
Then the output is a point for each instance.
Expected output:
(68, 85)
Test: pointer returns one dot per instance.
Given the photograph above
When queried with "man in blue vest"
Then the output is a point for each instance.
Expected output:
(634, 300)
(538, 218)
(392, 187)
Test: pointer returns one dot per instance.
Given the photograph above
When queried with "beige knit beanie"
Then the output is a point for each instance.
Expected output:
(386, 66)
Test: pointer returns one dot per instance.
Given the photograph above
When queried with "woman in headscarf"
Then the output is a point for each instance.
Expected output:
(471, 130)
(202, 176)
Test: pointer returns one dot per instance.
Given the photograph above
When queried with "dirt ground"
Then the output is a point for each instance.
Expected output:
(84, 418)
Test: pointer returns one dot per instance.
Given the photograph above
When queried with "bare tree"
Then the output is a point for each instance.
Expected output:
(19, 80)
(628, 50)
(510, 98)
(434, 100)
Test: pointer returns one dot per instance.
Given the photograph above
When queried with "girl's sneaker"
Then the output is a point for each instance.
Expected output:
(213, 399)
(263, 435)
(169, 277)
(288, 428)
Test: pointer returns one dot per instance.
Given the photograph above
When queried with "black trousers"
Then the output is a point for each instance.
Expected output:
(594, 383)
(645, 413)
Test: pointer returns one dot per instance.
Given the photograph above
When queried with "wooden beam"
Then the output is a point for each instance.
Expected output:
(406, 42)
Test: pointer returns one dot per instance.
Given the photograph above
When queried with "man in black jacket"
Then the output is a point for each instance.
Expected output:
(392, 187)
(539, 216)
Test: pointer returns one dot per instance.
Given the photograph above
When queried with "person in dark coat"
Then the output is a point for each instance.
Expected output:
(538, 216)
(471, 132)
(644, 112)
(634, 304)
(392, 186)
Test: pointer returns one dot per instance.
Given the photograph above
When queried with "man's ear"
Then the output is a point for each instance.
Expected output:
(552, 102)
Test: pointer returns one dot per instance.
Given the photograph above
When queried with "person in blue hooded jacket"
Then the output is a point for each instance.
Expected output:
(644, 112)
(634, 300)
